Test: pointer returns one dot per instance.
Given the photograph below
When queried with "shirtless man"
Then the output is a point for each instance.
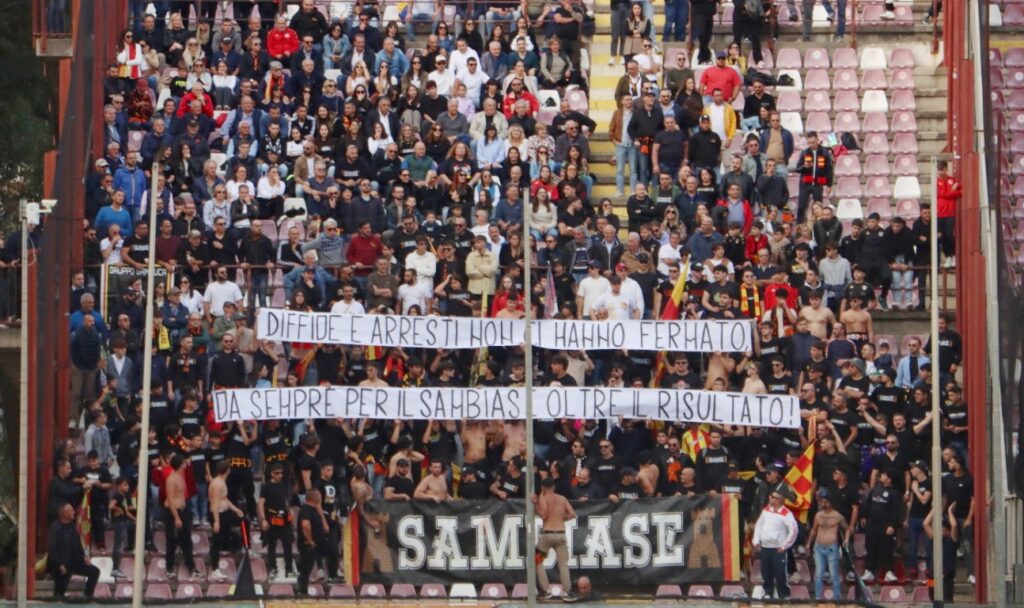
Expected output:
(555, 511)
(224, 514)
(720, 367)
(361, 491)
(647, 476)
(474, 444)
(433, 487)
(373, 378)
(515, 440)
(819, 318)
(825, 538)
(178, 518)
(404, 451)
(858, 324)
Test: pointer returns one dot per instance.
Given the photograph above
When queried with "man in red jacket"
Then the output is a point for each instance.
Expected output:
(949, 191)
(363, 250)
(282, 41)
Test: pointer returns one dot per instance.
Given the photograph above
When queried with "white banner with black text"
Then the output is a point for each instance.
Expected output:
(508, 403)
(471, 332)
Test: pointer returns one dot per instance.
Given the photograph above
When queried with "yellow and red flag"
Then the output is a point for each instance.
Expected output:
(672, 311)
(800, 478)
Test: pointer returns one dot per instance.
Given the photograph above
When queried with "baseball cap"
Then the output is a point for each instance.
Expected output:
(102, 162)
(697, 267)
(173, 291)
(705, 118)
(402, 462)
(643, 258)
(620, 266)
(720, 55)
(595, 265)
(858, 363)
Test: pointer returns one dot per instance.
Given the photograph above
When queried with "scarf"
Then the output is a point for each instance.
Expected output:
(745, 303)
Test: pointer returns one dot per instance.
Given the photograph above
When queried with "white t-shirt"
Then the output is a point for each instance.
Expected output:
(115, 253)
(341, 307)
(590, 289)
(473, 81)
(414, 295)
(458, 60)
(619, 306)
(425, 266)
(632, 291)
(217, 294)
(666, 254)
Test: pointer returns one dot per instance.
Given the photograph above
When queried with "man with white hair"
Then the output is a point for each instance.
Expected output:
(329, 245)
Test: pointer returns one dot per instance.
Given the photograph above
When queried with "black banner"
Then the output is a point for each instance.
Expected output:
(635, 543)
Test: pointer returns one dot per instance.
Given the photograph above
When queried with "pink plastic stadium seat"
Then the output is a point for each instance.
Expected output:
(875, 143)
(342, 592)
(876, 165)
(877, 187)
(433, 591)
(315, 590)
(189, 591)
(872, 13)
(845, 57)
(995, 57)
(1014, 15)
(1014, 57)
(904, 122)
(995, 77)
(847, 122)
(847, 187)
(158, 591)
(799, 592)
(402, 591)
(904, 165)
(102, 592)
(816, 80)
(904, 143)
(218, 590)
(903, 100)
(847, 165)
(873, 79)
(816, 58)
(1017, 166)
(875, 122)
(769, 61)
(817, 101)
(730, 592)
(372, 591)
(577, 100)
(901, 57)
(845, 80)
(902, 78)
(921, 594)
(493, 591)
(519, 592)
(818, 121)
(667, 592)
(701, 591)
(788, 59)
(908, 209)
(846, 101)
(788, 101)
(281, 590)
(157, 571)
(123, 590)
(892, 595)
(1014, 99)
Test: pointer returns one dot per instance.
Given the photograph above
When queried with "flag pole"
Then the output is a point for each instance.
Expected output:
(142, 488)
(531, 530)
(936, 455)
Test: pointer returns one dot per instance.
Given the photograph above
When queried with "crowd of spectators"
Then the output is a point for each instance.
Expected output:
(319, 166)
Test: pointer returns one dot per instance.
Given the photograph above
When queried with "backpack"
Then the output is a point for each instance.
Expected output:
(785, 80)
(753, 8)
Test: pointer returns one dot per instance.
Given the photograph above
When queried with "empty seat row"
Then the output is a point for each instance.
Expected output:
(849, 122)
(847, 100)
(871, 58)
(846, 79)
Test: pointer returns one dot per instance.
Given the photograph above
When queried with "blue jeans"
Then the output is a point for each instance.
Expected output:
(643, 167)
(750, 124)
(827, 556)
(625, 155)
(915, 532)
(677, 15)
(259, 281)
(648, 7)
(410, 30)
(840, 14)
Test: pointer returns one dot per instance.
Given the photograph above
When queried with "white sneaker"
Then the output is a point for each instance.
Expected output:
(970, 579)
(950, 262)
(888, 16)
(611, 60)
(116, 573)
(217, 575)
(890, 577)
(868, 576)
(622, 61)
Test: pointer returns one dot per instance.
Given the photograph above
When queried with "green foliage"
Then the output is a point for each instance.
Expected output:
(26, 125)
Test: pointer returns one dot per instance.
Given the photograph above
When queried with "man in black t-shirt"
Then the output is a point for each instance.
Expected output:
(510, 483)
(470, 487)
(312, 538)
(136, 247)
(275, 519)
(627, 488)
(96, 481)
(399, 487)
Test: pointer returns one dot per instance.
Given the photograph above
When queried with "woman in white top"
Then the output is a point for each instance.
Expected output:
(110, 247)
(380, 139)
(191, 299)
(384, 81)
(241, 178)
(544, 216)
(224, 86)
(360, 76)
(718, 258)
(270, 187)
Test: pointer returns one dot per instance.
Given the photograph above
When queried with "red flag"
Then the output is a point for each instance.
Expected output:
(674, 307)
(85, 520)
(801, 479)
